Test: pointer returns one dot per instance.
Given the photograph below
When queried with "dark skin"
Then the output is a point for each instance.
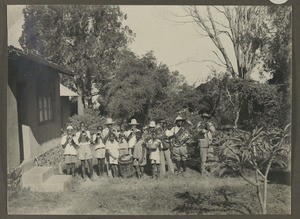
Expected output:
(114, 167)
(155, 166)
(100, 161)
(89, 161)
(140, 169)
(70, 166)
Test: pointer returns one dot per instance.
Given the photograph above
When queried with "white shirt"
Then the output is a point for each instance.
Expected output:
(113, 148)
(76, 138)
(132, 141)
(69, 149)
(99, 144)
(169, 132)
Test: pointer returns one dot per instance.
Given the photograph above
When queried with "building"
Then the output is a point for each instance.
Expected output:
(33, 106)
(67, 107)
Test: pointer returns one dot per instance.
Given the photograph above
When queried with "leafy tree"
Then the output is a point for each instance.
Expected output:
(252, 155)
(84, 38)
(277, 57)
(137, 84)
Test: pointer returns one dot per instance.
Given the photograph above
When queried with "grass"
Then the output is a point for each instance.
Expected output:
(172, 194)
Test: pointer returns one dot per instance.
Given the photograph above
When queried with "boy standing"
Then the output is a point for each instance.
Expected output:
(70, 153)
(112, 147)
(154, 146)
(82, 139)
(139, 155)
(100, 150)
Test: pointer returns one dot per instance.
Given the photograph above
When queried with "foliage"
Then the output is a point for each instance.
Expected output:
(140, 85)
(84, 38)
(91, 118)
(277, 56)
(256, 151)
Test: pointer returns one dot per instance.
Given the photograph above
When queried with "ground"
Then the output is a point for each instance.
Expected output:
(171, 194)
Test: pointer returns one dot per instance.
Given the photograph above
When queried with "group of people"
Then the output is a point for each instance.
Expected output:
(156, 144)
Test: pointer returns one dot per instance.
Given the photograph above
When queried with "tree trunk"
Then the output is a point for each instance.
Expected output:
(266, 186)
(258, 193)
(80, 102)
(237, 117)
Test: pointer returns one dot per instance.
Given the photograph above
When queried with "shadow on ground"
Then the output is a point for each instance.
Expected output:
(218, 201)
(280, 177)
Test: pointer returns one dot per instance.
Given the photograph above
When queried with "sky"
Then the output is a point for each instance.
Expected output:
(160, 29)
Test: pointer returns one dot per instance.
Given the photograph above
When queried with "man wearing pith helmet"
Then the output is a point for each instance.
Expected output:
(205, 129)
(179, 138)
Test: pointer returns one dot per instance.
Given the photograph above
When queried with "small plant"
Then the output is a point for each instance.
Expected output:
(252, 154)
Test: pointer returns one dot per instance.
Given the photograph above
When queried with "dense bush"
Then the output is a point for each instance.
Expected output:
(91, 118)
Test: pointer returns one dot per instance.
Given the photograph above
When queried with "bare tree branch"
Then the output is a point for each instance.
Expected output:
(198, 61)
(219, 58)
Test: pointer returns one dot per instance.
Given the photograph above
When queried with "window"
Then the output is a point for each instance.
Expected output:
(45, 108)
(45, 97)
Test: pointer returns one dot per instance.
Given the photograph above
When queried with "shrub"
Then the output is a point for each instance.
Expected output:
(91, 118)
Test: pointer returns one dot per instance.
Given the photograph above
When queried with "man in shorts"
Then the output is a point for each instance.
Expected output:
(179, 138)
(82, 139)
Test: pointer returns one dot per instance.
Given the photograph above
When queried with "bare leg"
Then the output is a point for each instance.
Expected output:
(90, 168)
(99, 166)
(68, 168)
(73, 169)
(184, 165)
(113, 168)
(142, 170)
(178, 165)
(158, 171)
(83, 169)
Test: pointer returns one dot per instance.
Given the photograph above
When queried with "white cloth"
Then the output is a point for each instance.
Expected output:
(105, 132)
(155, 155)
(175, 129)
(132, 141)
(69, 149)
(99, 144)
(113, 148)
(76, 138)
(169, 133)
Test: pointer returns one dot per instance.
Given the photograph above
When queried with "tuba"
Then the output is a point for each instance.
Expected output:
(181, 137)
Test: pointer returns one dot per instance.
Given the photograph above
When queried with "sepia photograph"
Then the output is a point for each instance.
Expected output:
(149, 109)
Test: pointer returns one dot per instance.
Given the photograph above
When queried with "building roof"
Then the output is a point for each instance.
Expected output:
(14, 53)
(66, 92)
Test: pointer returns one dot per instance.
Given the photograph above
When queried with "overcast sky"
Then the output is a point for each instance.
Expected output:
(172, 42)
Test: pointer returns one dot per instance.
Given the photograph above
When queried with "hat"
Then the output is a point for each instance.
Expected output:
(179, 118)
(138, 131)
(69, 127)
(189, 122)
(205, 115)
(133, 122)
(109, 121)
(152, 124)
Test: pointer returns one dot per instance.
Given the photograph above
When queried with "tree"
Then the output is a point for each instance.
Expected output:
(242, 25)
(277, 57)
(137, 84)
(256, 152)
(84, 38)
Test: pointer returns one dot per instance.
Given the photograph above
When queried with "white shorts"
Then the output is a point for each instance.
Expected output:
(84, 151)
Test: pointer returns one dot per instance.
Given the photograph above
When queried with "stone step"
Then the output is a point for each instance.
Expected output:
(37, 175)
(55, 183)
